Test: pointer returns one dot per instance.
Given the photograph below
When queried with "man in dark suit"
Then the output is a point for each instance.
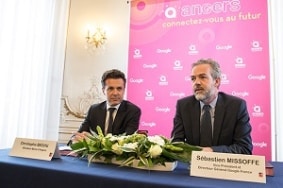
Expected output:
(126, 115)
(229, 118)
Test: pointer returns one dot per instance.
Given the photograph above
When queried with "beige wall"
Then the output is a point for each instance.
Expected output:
(83, 67)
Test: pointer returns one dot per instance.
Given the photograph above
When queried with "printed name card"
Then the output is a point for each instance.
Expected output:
(35, 149)
(249, 168)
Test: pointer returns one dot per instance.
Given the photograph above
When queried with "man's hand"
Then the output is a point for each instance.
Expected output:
(207, 149)
(80, 136)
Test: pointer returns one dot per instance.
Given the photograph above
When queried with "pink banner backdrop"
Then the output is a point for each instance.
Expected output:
(167, 36)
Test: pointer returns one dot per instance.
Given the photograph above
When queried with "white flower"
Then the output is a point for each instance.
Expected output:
(117, 138)
(109, 135)
(132, 146)
(157, 140)
(155, 151)
(113, 138)
(116, 149)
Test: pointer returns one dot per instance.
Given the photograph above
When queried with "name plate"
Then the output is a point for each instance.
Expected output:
(249, 168)
(35, 149)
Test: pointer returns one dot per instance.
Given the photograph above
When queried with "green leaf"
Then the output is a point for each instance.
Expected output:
(186, 146)
(77, 145)
(128, 161)
(99, 131)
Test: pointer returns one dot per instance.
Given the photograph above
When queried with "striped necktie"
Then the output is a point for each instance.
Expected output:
(206, 127)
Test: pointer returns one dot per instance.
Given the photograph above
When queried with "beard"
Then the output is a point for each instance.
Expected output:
(203, 95)
(206, 96)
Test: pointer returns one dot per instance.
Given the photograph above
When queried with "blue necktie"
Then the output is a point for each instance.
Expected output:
(206, 127)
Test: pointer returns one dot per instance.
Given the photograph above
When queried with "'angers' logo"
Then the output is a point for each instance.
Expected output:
(170, 12)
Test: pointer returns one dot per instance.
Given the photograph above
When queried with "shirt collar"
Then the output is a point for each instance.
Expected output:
(212, 104)
(117, 106)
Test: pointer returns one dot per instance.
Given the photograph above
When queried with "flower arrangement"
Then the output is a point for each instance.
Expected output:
(149, 150)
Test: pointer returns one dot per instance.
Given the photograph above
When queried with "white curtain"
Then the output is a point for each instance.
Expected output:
(276, 47)
(32, 49)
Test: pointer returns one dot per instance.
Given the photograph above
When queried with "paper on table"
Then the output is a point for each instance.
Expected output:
(65, 148)
(66, 151)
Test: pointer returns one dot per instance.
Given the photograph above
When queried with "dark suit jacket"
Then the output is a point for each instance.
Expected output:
(232, 129)
(126, 120)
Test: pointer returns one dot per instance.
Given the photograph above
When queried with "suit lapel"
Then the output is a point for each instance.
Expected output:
(195, 116)
(119, 116)
(218, 119)
(101, 118)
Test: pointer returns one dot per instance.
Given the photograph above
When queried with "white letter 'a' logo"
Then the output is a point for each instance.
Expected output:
(170, 12)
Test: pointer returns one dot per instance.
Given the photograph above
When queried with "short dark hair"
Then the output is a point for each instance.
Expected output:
(113, 73)
(215, 67)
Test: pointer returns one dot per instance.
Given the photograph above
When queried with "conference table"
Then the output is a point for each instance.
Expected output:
(69, 172)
